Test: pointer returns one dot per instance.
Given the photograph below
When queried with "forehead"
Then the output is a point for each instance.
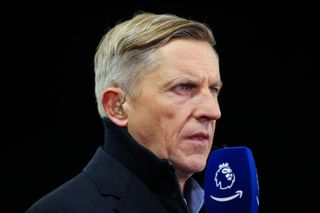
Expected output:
(188, 57)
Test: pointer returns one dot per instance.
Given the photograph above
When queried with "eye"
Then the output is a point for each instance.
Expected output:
(183, 89)
(214, 90)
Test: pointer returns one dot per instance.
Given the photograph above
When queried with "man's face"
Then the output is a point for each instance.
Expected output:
(175, 113)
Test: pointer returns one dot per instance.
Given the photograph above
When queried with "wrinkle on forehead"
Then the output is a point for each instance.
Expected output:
(191, 54)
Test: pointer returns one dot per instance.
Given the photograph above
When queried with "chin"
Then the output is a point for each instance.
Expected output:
(193, 164)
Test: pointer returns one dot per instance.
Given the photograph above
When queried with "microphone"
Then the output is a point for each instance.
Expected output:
(231, 181)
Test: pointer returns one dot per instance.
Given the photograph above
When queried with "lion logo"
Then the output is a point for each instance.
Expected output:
(224, 177)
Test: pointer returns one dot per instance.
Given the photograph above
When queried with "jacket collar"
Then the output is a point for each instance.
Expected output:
(157, 174)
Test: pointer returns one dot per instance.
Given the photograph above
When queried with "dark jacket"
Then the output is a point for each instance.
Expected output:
(122, 176)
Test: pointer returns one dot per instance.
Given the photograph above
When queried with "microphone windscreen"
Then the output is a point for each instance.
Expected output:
(231, 181)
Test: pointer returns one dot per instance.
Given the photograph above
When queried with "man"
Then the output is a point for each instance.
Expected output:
(157, 85)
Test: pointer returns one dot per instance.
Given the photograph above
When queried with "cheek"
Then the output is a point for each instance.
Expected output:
(167, 126)
(152, 117)
(170, 121)
(173, 118)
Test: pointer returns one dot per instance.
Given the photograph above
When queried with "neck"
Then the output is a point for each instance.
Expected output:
(182, 179)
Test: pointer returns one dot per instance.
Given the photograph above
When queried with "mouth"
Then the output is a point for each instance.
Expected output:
(200, 138)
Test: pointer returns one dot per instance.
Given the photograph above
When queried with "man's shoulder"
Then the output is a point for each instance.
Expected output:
(104, 185)
(85, 192)
(78, 194)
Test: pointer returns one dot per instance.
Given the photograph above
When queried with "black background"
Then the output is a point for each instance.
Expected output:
(51, 127)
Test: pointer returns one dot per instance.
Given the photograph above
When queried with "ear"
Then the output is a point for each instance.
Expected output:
(112, 99)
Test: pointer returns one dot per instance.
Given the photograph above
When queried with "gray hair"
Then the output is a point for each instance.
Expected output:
(128, 49)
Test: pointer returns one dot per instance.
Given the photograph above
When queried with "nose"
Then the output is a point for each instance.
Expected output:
(207, 107)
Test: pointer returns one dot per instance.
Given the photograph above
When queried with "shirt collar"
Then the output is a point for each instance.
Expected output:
(194, 196)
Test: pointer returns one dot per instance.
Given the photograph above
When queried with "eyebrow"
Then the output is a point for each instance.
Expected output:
(186, 78)
(192, 80)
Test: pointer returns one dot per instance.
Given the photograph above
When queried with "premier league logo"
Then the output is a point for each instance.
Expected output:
(224, 177)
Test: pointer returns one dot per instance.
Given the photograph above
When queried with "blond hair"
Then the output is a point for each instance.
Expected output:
(128, 49)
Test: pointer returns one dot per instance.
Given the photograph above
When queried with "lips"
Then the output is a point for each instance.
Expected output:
(201, 137)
